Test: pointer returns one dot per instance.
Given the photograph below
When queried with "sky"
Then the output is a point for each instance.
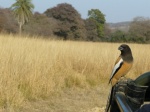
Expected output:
(114, 10)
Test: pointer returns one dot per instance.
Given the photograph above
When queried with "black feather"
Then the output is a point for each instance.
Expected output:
(109, 100)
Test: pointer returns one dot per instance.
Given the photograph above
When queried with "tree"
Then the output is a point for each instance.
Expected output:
(22, 10)
(140, 29)
(7, 21)
(70, 25)
(99, 18)
(107, 32)
(40, 25)
(91, 29)
(2, 20)
(118, 36)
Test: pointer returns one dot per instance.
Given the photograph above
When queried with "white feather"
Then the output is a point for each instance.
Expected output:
(116, 67)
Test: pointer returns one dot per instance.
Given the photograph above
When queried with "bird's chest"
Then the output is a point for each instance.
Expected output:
(123, 70)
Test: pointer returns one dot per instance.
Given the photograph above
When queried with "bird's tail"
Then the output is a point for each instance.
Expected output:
(109, 100)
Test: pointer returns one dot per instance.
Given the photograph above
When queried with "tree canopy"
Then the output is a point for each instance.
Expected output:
(22, 10)
(99, 18)
(70, 24)
(140, 29)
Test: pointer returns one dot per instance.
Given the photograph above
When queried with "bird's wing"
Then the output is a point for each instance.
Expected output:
(118, 64)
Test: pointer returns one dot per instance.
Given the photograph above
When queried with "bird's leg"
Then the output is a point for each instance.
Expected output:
(114, 81)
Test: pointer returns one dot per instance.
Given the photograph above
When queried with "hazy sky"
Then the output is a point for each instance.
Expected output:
(114, 10)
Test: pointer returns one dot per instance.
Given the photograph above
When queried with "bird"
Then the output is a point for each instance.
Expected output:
(122, 66)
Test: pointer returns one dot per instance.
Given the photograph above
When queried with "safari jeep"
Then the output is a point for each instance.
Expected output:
(129, 95)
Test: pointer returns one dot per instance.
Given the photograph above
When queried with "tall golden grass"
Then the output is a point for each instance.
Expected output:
(32, 68)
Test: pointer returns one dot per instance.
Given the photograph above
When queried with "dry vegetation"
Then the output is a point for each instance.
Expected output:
(34, 69)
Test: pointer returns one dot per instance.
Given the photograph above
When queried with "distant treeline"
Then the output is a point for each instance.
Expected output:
(64, 22)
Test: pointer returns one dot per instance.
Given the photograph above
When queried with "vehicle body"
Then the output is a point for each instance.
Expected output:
(129, 95)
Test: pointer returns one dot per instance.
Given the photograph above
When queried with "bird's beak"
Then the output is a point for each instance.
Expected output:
(120, 48)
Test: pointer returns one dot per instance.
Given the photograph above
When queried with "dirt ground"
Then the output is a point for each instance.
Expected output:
(71, 100)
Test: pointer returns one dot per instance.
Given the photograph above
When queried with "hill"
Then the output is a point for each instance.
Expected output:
(123, 26)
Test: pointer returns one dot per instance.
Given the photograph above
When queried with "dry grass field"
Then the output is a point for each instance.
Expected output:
(38, 75)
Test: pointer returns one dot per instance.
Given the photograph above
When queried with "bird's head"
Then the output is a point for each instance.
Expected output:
(124, 48)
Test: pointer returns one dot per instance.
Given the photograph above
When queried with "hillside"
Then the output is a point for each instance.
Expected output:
(123, 26)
